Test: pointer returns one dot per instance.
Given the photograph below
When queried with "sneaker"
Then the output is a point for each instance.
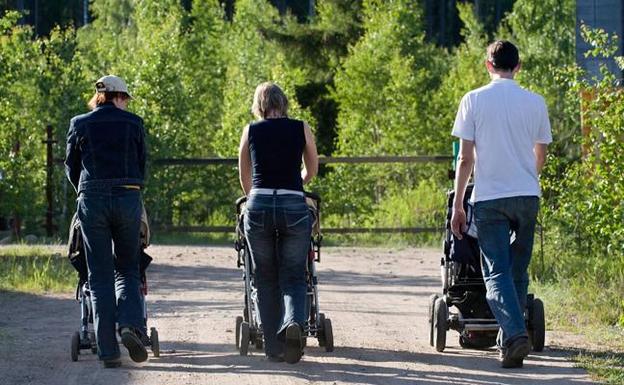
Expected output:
(133, 343)
(294, 348)
(513, 356)
(111, 363)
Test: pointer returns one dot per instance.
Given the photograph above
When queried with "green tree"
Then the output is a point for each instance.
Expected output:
(383, 90)
(251, 60)
(21, 129)
(545, 34)
(467, 71)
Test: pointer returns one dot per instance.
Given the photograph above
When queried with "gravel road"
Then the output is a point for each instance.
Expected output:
(376, 298)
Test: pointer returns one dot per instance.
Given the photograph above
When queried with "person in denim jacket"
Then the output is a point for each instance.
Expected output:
(277, 221)
(105, 162)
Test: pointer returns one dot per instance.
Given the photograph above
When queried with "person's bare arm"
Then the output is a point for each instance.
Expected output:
(310, 156)
(540, 156)
(244, 162)
(465, 163)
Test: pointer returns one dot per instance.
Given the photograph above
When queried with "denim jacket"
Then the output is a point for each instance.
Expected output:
(105, 148)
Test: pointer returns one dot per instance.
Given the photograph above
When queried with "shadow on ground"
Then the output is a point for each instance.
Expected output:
(369, 366)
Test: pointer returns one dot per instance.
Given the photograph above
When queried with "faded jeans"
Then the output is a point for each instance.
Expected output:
(278, 228)
(112, 216)
(505, 265)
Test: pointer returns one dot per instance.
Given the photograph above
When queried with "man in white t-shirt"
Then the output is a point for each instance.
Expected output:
(504, 132)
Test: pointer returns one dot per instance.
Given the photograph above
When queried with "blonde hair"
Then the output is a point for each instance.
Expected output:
(269, 98)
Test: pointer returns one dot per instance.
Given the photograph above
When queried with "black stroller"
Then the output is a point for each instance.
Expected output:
(464, 289)
(85, 338)
(249, 326)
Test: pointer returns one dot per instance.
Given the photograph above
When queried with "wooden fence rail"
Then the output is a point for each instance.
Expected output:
(330, 230)
(322, 160)
(234, 161)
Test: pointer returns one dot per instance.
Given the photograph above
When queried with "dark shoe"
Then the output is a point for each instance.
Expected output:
(111, 363)
(133, 343)
(294, 348)
(513, 356)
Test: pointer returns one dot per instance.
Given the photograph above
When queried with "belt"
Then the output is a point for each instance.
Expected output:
(271, 191)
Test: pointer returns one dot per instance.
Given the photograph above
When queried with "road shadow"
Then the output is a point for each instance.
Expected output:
(372, 366)
(35, 335)
(175, 278)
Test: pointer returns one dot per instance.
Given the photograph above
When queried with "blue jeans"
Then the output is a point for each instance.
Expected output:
(112, 216)
(278, 228)
(505, 265)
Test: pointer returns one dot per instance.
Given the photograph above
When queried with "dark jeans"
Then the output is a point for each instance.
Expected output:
(278, 228)
(505, 265)
(112, 216)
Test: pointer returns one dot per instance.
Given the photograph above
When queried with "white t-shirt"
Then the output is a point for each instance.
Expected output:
(505, 122)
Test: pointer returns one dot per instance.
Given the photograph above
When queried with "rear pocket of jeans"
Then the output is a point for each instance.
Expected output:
(254, 219)
(297, 221)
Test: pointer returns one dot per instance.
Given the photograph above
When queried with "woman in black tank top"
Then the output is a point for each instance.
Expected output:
(277, 222)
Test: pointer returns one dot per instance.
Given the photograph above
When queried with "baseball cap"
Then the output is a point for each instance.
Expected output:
(111, 83)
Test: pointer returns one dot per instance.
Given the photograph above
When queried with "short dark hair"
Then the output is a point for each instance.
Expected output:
(503, 55)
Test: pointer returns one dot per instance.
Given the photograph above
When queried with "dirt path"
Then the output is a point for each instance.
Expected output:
(377, 300)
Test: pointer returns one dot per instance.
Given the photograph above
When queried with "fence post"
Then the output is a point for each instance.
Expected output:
(49, 225)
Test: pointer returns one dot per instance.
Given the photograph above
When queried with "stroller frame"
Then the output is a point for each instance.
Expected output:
(85, 338)
(465, 290)
(249, 326)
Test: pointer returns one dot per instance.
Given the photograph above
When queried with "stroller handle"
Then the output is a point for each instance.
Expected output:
(239, 203)
(313, 195)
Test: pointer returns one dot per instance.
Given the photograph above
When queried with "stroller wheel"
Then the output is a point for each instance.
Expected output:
(329, 335)
(259, 342)
(321, 330)
(244, 338)
(537, 326)
(93, 342)
(155, 343)
(440, 317)
(432, 300)
(75, 346)
(239, 321)
(464, 343)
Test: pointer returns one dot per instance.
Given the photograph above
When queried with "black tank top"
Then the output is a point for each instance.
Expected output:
(276, 147)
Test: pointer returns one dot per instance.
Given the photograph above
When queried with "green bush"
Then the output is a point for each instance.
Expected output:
(585, 212)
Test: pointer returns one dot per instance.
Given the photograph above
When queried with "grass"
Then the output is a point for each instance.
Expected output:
(35, 269)
(577, 308)
(608, 367)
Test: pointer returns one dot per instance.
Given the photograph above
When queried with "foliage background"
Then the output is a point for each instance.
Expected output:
(363, 74)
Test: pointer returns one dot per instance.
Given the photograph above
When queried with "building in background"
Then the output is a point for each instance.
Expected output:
(443, 24)
(605, 14)
(43, 15)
